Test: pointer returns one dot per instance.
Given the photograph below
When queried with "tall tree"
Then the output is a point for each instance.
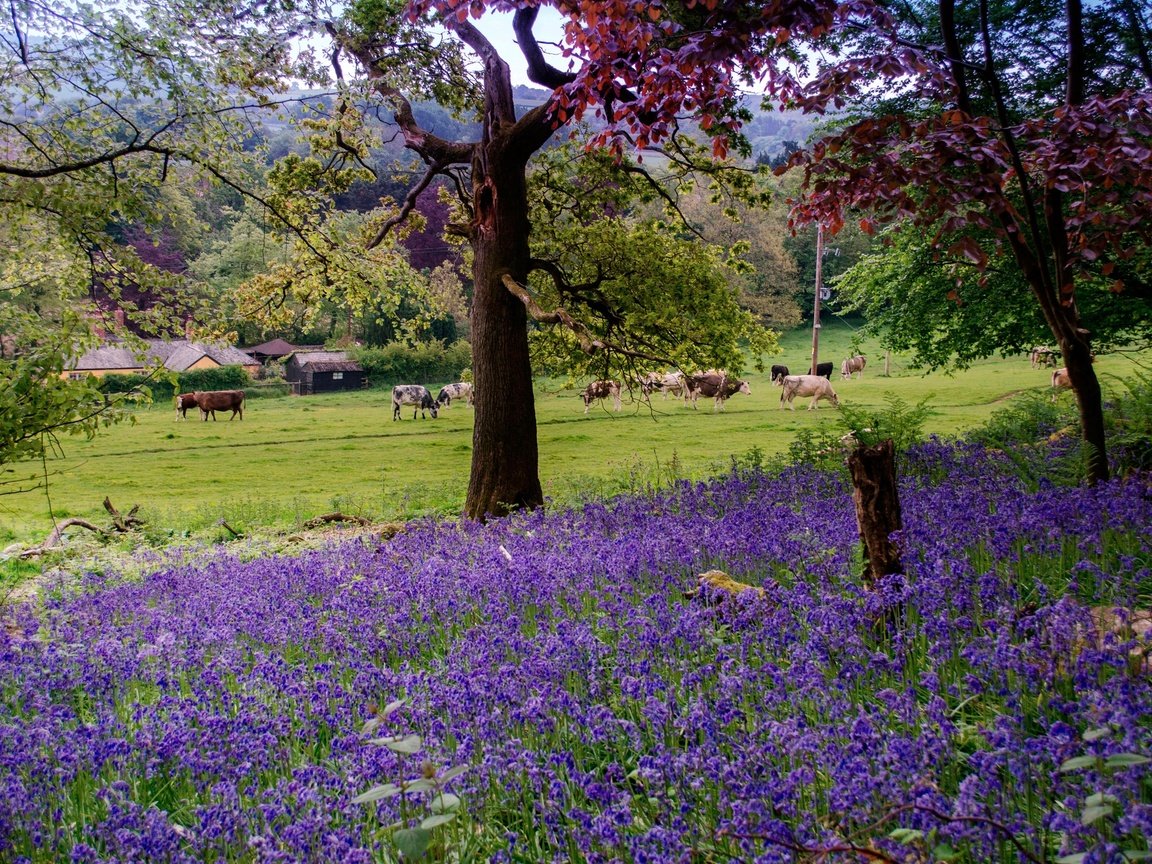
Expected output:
(638, 68)
(100, 103)
(1021, 127)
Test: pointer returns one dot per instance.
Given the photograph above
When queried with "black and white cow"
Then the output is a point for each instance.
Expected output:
(824, 370)
(601, 390)
(779, 373)
(715, 385)
(413, 394)
(459, 390)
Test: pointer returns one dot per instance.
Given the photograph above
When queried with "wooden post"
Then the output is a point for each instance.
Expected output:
(873, 470)
(816, 302)
(887, 364)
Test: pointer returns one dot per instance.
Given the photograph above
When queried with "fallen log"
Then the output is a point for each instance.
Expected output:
(53, 540)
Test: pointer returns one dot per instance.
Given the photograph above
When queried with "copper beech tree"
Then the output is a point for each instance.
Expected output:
(640, 68)
(1019, 132)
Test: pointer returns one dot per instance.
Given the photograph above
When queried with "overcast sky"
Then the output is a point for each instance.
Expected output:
(498, 28)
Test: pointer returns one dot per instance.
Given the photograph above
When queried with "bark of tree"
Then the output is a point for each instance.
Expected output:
(505, 459)
(873, 470)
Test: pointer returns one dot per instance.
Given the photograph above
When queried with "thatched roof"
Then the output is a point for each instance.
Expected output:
(325, 361)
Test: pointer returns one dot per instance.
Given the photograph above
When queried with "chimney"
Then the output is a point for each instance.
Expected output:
(188, 328)
(119, 319)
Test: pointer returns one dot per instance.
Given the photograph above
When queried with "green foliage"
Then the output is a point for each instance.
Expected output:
(165, 386)
(408, 364)
(921, 300)
(1128, 423)
(443, 807)
(1028, 419)
(1103, 810)
(898, 420)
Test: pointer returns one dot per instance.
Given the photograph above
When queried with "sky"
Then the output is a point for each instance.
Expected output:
(498, 28)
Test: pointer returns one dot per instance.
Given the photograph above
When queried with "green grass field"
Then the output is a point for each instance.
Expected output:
(293, 458)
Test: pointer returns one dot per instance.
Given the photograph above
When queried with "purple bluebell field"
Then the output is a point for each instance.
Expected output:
(965, 711)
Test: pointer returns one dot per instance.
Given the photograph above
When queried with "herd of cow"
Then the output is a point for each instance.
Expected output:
(715, 384)
(718, 385)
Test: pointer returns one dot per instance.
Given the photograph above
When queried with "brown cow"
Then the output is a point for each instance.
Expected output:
(716, 385)
(1060, 380)
(211, 401)
(184, 401)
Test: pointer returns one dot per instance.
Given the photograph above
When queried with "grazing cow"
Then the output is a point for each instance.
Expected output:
(1060, 380)
(853, 364)
(824, 370)
(668, 383)
(184, 401)
(816, 386)
(601, 390)
(716, 385)
(459, 390)
(779, 373)
(1042, 355)
(211, 401)
(416, 396)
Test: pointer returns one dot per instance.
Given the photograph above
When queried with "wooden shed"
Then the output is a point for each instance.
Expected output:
(312, 372)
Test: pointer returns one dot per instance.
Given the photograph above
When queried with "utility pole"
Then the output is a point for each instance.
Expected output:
(816, 302)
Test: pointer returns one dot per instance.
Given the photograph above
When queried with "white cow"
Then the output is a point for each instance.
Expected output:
(668, 383)
(816, 386)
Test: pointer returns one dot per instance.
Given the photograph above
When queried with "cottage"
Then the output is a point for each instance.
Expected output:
(312, 372)
(181, 355)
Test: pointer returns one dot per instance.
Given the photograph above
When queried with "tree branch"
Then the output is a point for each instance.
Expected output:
(409, 203)
(539, 70)
(588, 342)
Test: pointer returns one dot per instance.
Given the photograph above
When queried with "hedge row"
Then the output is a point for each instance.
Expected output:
(421, 364)
(162, 387)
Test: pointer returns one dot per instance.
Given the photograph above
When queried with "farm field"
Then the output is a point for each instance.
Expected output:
(293, 458)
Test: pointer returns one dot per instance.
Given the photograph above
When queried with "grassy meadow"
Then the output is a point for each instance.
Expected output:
(294, 458)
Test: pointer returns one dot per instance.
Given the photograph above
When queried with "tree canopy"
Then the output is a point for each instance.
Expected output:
(1008, 131)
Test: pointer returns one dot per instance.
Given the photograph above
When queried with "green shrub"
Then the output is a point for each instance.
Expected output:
(1027, 419)
(403, 364)
(165, 385)
(1128, 424)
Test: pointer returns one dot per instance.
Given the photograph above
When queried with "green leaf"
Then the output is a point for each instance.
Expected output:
(420, 784)
(401, 743)
(1100, 798)
(437, 820)
(1078, 762)
(452, 773)
(376, 793)
(944, 852)
(1092, 815)
(1125, 760)
(412, 842)
(1072, 859)
(906, 835)
(392, 707)
(1097, 733)
(1136, 854)
(445, 803)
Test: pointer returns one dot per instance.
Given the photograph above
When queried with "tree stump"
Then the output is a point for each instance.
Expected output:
(873, 470)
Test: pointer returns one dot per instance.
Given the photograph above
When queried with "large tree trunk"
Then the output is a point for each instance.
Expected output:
(873, 470)
(1089, 400)
(505, 459)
